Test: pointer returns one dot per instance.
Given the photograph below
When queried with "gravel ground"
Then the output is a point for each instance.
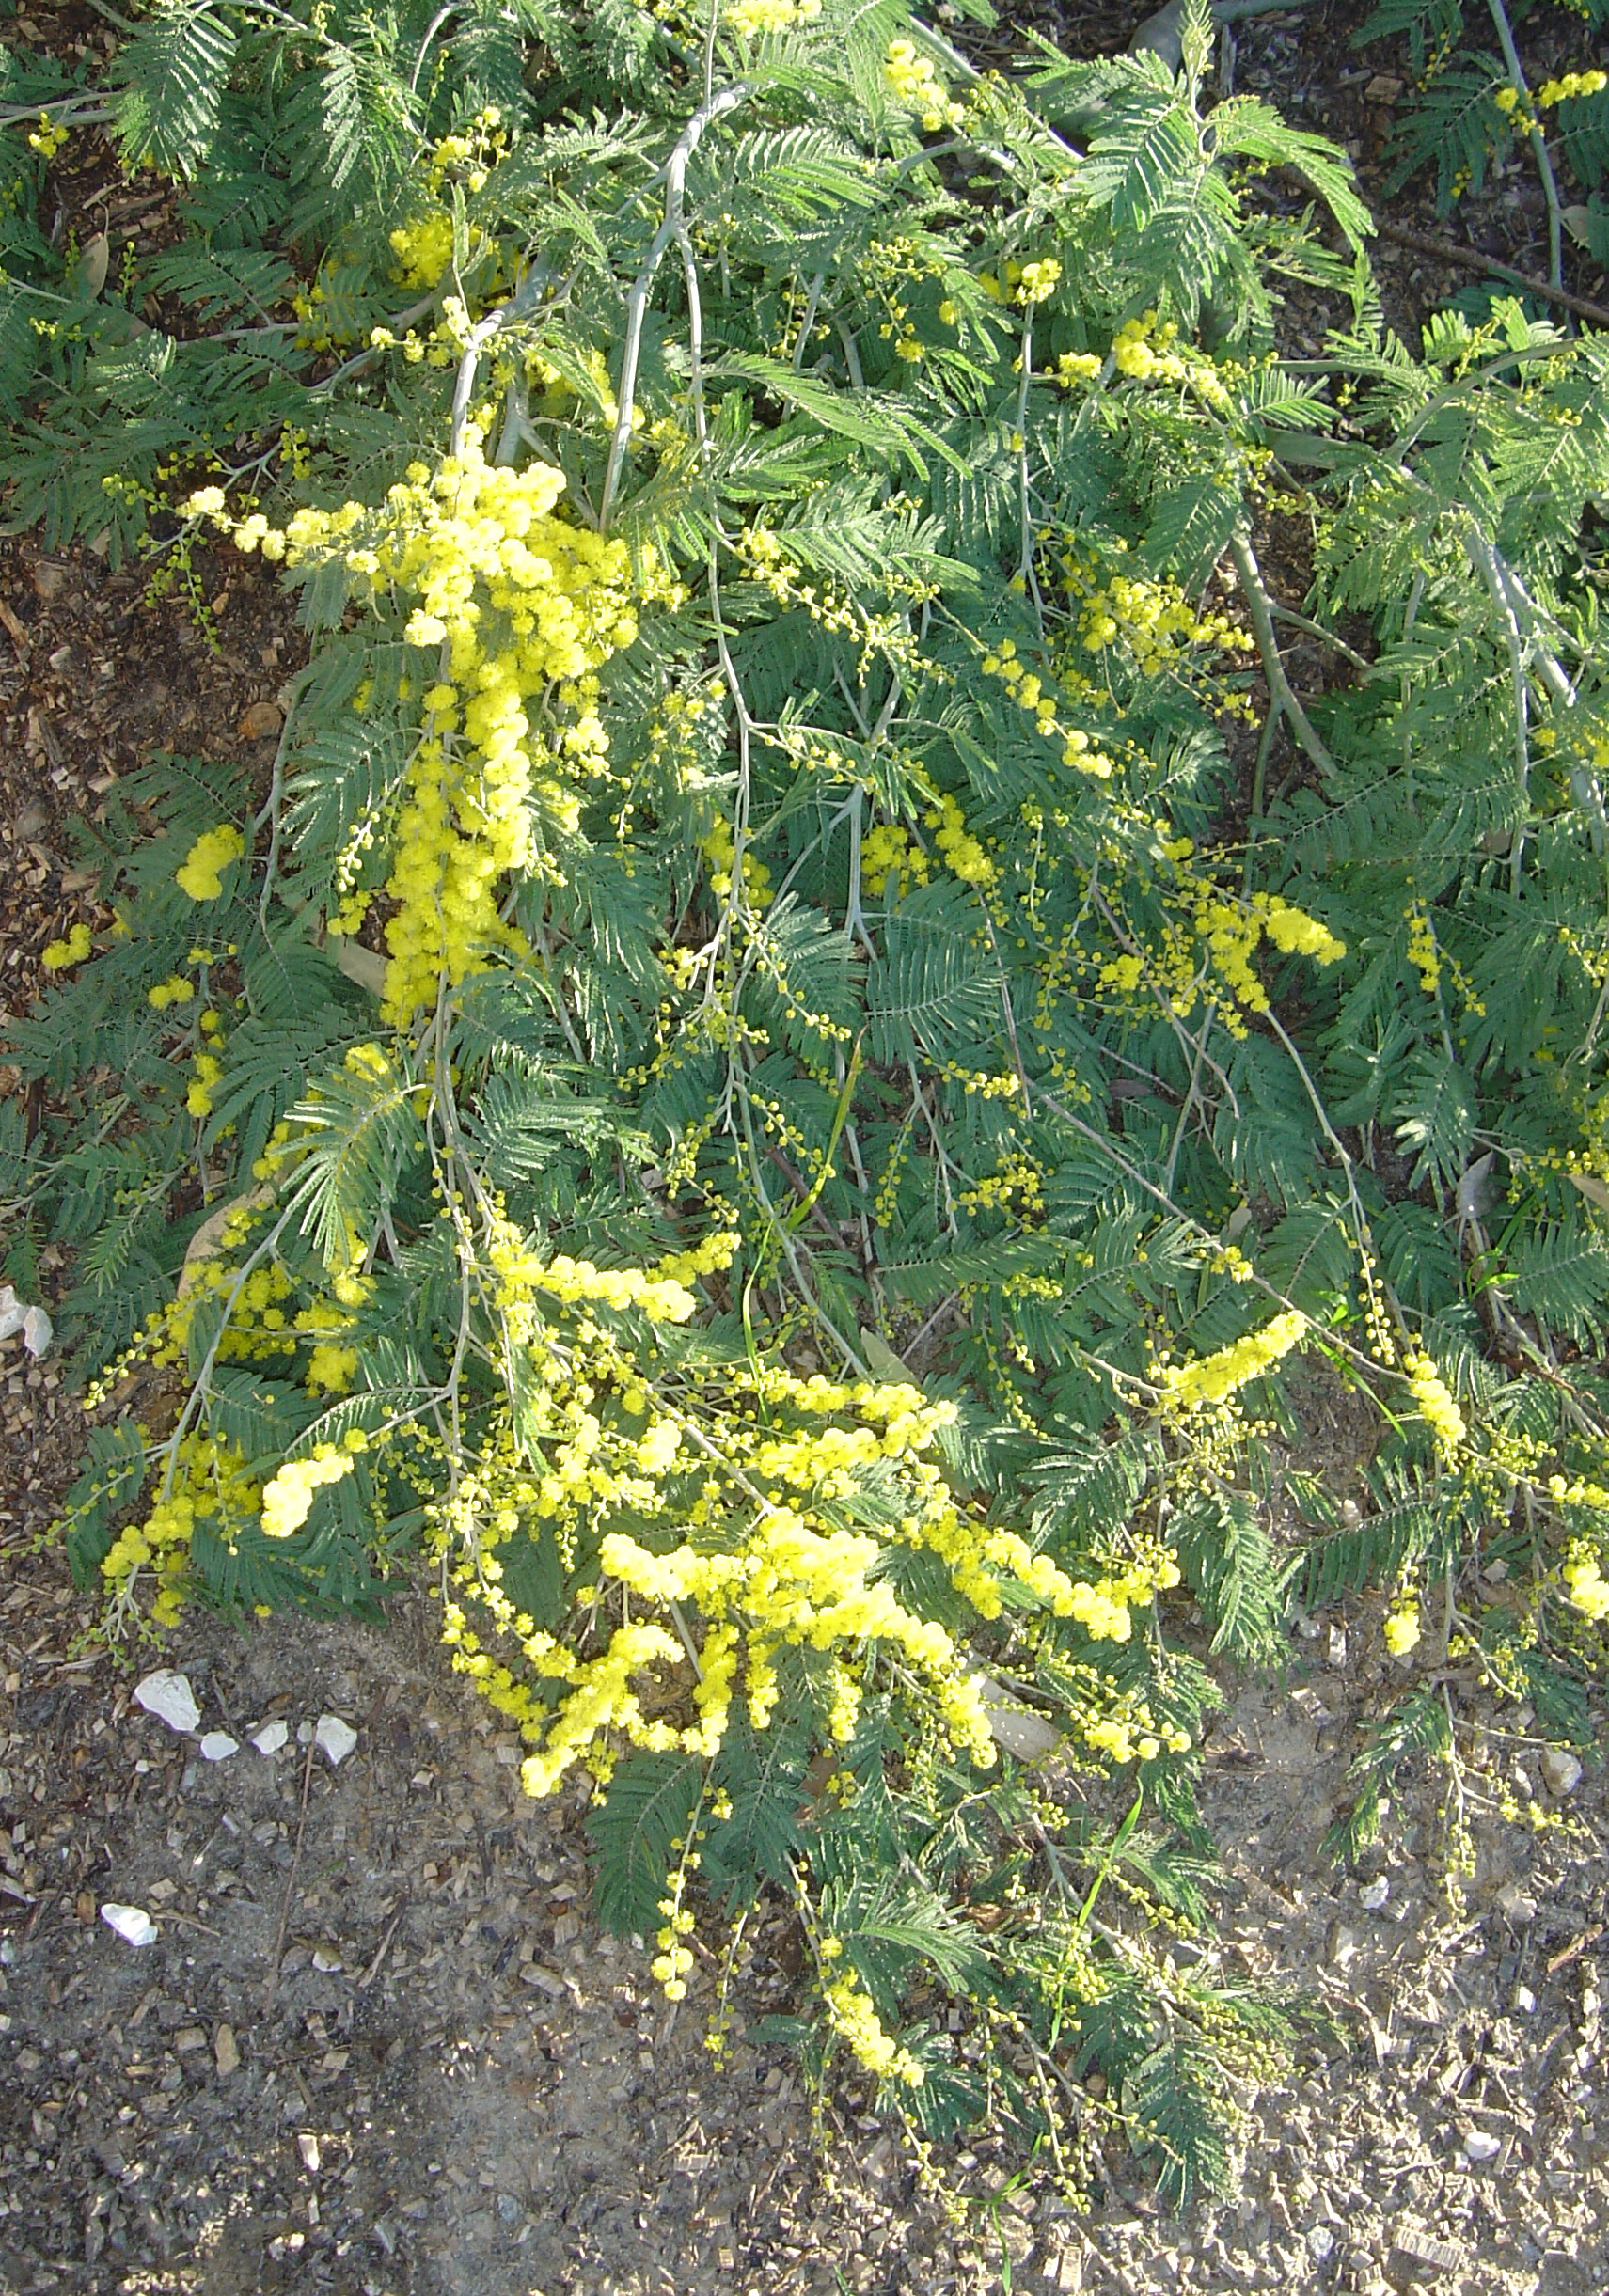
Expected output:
(456, 2087)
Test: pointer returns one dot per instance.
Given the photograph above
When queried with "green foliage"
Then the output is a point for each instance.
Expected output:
(897, 949)
(1461, 112)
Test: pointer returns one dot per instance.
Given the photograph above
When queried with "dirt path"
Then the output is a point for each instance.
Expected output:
(456, 2087)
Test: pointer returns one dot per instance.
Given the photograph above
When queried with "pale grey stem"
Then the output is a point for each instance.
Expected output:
(516, 424)
(1539, 144)
(642, 287)
(269, 812)
(1316, 629)
(1025, 559)
(67, 111)
(812, 304)
(1534, 619)
(863, 1183)
(1260, 606)
(1485, 561)
(854, 915)
(1584, 783)
(441, 16)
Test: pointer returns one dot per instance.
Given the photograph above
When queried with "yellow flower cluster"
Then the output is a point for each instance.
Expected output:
(58, 956)
(1423, 953)
(660, 1294)
(1568, 87)
(912, 79)
(890, 850)
(47, 138)
(1029, 691)
(792, 1583)
(963, 856)
(754, 18)
(602, 1700)
(1402, 1630)
(1436, 1403)
(852, 2017)
(725, 1530)
(1214, 1378)
(1145, 352)
(1155, 621)
(1232, 931)
(485, 142)
(288, 1494)
(721, 851)
(207, 1065)
(423, 250)
(258, 1327)
(1585, 1588)
(201, 875)
(1103, 1607)
(1007, 283)
(175, 989)
(1037, 283)
(1132, 1738)
(1019, 1178)
(331, 1368)
(1571, 86)
(1077, 367)
(211, 1489)
(526, 607)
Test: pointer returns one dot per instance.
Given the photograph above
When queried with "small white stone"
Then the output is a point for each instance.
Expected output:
(1024, 1734)
(1320, 2240)
(1479, 2145)
(1561, 1771)
(271, 1736)
(1525, 2001)
(307, 2146)
(218, 1746)
(133, 1923)
(169, 1697)
(334, 1737)
(1374, 1895)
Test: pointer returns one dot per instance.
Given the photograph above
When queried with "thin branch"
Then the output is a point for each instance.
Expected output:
(1538, 142)
(273, 1985)
(1260, 606)
(1316, 629)
(1471, 259)
(441, 16)
(642, 287)
(1484, 559)
(812, 304)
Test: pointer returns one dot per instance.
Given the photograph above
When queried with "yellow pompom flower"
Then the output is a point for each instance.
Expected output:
(288, 1494)
(1436, 1405)
(1401, 1629)
(1214, 1377)
(1585, 1588)
(201, 874)
(72, 950)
